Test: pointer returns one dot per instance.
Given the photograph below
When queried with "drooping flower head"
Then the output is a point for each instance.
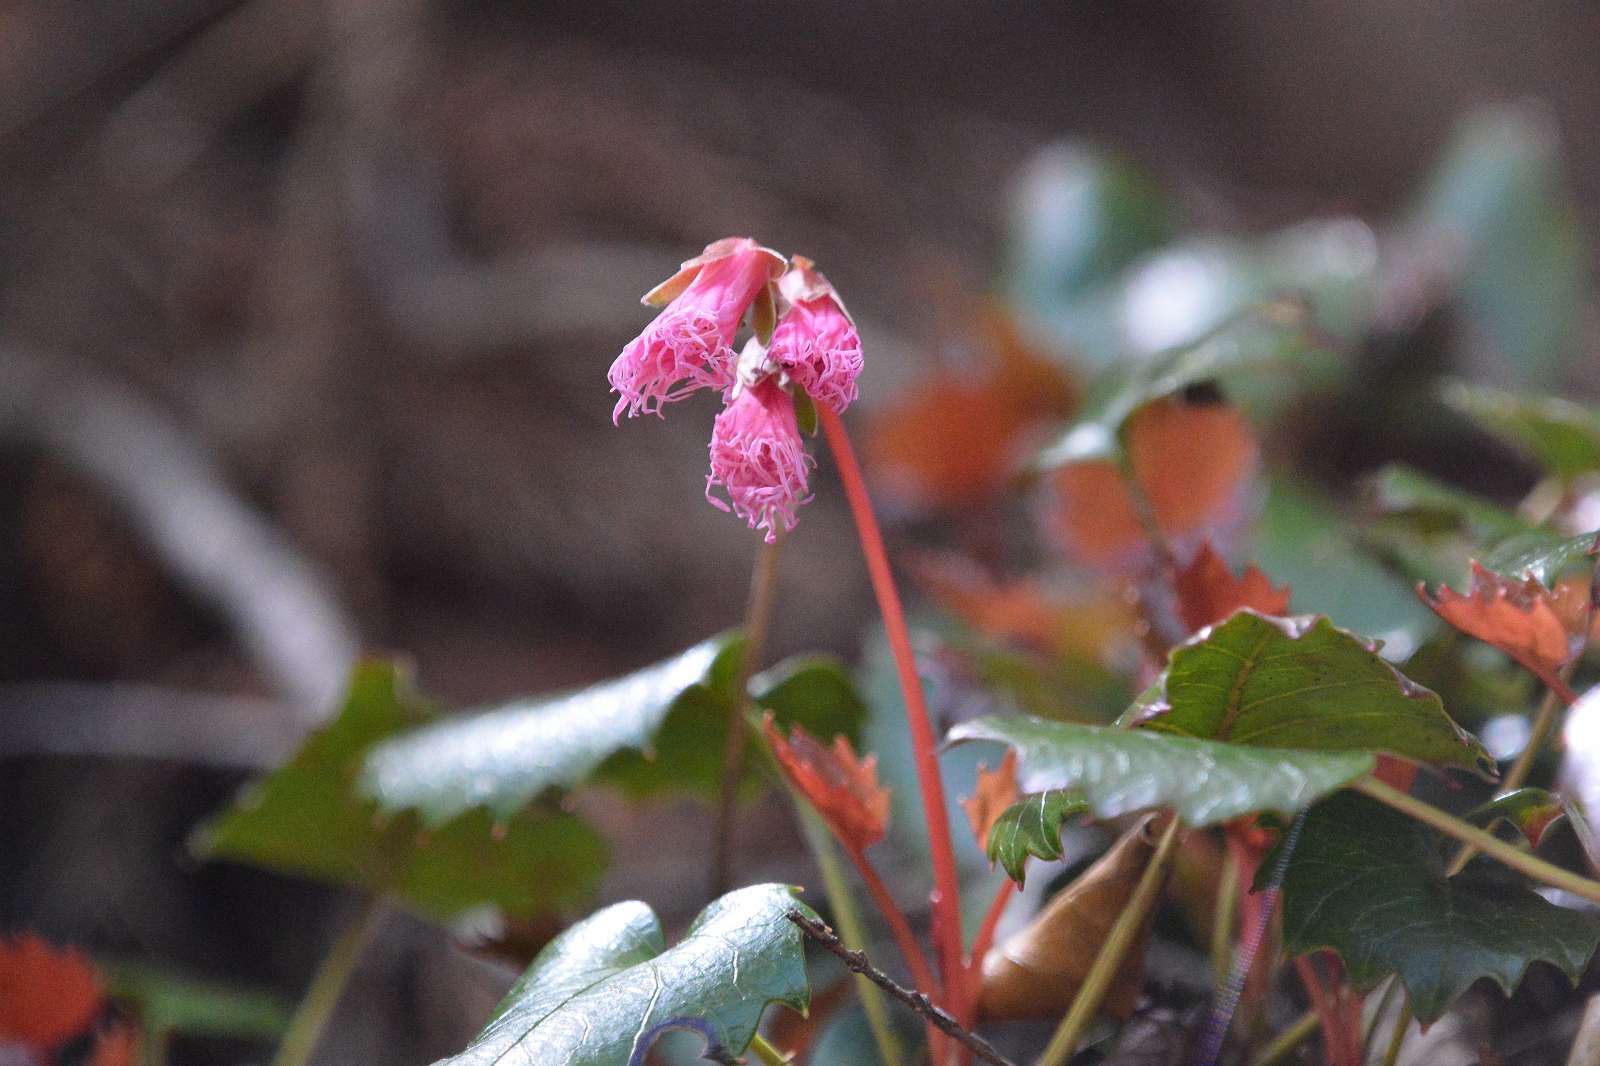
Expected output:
(758, 458)
(689, 345)
(816, 342)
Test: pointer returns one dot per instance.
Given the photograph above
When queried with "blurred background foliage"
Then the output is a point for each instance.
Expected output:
(306, 309)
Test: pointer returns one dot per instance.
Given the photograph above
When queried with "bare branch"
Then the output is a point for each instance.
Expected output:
(857, 963)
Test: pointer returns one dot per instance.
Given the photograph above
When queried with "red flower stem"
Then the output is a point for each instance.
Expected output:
(904, 938)
(946, 896)
(985, 938)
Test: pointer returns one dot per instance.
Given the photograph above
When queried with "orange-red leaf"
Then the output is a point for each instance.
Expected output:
(842, 787)
(997, 790)
(1194, 462)
(116, 1046)
(1208, 592)
(1539, 629)
(957, 438)
(47, 997)
(1025, 611)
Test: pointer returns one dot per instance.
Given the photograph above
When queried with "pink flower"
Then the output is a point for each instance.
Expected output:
(815, 341)
(758, 457)
(689, 345)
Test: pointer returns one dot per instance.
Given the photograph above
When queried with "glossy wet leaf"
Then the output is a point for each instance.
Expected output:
(308, 818)
(1369, 883)
(1303, 683)
(1119, 771)
(601, 992)
(1542, 556)
(1563, 436)
(1037, 969)
(660, 728)
(1032, 827)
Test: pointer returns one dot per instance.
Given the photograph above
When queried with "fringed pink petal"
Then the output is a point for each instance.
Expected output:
(757, 456)
(820, 348)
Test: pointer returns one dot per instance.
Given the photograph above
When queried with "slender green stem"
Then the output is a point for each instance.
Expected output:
(847, 917)
(757, 620)
(1490, 845)
(1402, 1026)
(946, 897)
(769, 1055)
(327, 985)
(1285, 1042)
(1223, 917)
(1124, 932)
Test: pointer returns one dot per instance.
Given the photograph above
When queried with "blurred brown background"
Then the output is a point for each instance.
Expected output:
(305, 311)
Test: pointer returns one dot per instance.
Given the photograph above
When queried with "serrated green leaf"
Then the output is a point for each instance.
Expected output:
(660, 729)
(1032, 826)
(1119, 771)
(599, 993)
(1543, 556)
(308, 818)
(1300, 683)
(1564, 437)
(1369, 883)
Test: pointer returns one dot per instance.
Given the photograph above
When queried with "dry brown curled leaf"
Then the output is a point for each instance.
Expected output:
(1539, 628)
(1036, 972)
(1194, 463)
(841, 786)
(1208, 592)
(997, 790)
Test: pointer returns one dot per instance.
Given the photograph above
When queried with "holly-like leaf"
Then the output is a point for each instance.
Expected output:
(1301, 683)
(1193, 462)
(1531, 810)
(1564, 437)
(1041, 966)
(1032, 826)
(662, 728)
(600, 993)
(1539, 628)
(1543, 557)
(1208, 592)
(1369, 883)
(1119, 771)
(841, 786)
(308, 818)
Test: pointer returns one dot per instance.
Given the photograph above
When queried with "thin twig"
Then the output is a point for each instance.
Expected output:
(857, 962)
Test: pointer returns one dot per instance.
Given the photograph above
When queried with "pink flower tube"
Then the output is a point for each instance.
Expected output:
(689, 345)
(757, 456)
(816, 342)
